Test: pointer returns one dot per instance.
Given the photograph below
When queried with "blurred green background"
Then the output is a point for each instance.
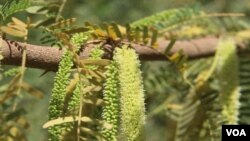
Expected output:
(126, 11)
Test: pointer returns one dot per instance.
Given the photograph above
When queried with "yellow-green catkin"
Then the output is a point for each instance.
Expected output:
(111, 109)
(131, 94)
(227, 71)
(61, 81)
(58, 93)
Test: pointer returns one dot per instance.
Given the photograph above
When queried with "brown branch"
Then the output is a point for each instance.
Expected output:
(44, 57)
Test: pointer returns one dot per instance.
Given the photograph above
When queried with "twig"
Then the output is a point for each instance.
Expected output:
(47, 58)
(60, 10)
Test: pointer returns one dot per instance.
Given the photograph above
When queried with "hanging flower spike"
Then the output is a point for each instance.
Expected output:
(227, 71)
(131, 94)
(111, 109)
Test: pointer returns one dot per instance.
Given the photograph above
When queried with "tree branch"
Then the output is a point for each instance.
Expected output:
(44, 57)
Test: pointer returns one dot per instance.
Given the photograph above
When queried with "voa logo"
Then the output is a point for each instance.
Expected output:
(236, 132)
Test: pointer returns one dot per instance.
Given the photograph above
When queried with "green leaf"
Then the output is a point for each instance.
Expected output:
(145, 35)
(167, 18)
(154, 38)
(170, 46)
(36, 10)
(117, 30)
(13, 6)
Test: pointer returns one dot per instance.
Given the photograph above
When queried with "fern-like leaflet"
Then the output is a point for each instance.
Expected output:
(13, 6)
(244, 76)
